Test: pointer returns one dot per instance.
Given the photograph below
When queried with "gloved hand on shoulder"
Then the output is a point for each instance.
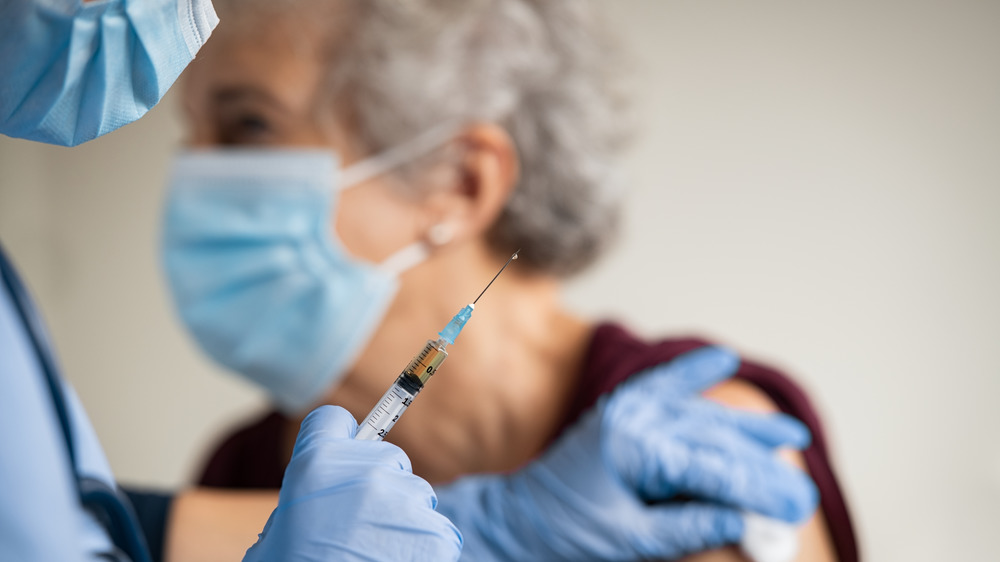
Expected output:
(343, 499)
(603, 490)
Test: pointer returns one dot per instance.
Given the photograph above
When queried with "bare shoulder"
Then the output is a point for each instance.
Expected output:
(741, 395)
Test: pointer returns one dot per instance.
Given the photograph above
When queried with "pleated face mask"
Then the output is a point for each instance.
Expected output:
(256, 274)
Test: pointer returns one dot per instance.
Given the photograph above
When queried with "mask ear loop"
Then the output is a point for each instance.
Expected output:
(421, 145)
(417, 252)
(424, 143)
(405, 258)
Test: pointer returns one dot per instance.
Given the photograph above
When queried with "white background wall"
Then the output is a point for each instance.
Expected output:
(817, 185)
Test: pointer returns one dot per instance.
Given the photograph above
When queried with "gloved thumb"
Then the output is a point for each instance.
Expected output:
(690, 373)
(331, 422)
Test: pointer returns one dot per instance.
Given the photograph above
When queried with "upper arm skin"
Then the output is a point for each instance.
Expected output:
(815, 544)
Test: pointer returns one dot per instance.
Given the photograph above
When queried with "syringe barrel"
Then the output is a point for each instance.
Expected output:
(426, 363)
(402, 392)
(387, 411)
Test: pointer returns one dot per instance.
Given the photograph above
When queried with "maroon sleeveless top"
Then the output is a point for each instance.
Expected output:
(251, 456)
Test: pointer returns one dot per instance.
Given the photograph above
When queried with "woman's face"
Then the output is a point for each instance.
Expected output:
(263, 89)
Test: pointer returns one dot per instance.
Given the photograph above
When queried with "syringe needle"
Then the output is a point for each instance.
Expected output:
(512, 258)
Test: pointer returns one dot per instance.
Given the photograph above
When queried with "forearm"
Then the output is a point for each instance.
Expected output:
(207, 524)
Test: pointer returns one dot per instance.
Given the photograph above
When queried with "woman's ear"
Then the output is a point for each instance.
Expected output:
(484, 175)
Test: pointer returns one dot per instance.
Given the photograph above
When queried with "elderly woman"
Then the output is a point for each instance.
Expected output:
(466, 131)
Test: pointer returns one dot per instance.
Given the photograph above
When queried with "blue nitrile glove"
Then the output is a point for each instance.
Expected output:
(343, 499)
(591, 495)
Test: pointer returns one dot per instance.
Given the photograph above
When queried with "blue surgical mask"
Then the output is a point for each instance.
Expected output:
(257, 275)
(72, 72)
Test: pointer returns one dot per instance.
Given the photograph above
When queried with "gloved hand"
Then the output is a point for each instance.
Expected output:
(600, 492)
(343, 499)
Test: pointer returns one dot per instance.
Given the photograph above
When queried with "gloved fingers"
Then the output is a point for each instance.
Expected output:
(329, 421)
(343, 498)
(773, 430)
(337, 424)
(717, 464)
(385, 485)
(326, 443)
(690, 373)
(367, 513)
(770, 429)
(675, 530)
(727, 468)
(362, 474)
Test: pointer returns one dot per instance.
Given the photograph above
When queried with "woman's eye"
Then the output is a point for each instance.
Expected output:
(247, 129)
(253, 125)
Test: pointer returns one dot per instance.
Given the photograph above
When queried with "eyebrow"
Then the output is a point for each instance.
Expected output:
(232, 94)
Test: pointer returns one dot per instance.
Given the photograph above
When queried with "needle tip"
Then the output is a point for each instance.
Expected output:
(512, 258)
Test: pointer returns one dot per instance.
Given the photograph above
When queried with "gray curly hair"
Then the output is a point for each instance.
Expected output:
(542, 69)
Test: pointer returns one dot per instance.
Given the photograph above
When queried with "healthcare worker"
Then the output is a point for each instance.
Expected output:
(72, 72)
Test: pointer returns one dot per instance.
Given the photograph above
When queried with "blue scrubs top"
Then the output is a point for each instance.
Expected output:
(71, 72)
(41, 517)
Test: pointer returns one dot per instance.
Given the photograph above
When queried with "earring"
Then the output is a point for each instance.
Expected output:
(441, 233)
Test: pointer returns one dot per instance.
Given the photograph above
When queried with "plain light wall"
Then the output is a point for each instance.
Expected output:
(816, 185)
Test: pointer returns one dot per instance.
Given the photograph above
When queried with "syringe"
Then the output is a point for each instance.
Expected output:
(411, 381)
